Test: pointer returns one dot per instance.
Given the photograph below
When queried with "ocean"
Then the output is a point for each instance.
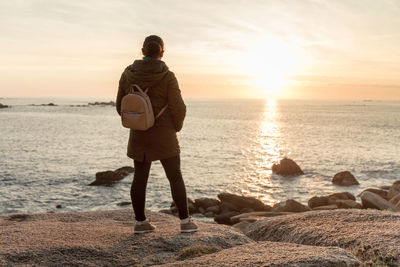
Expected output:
(49, 154)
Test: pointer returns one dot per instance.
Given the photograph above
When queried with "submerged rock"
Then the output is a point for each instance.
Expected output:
(287, 167)
(3, 106)
(110, 103)
(344, 179)
(111, 177)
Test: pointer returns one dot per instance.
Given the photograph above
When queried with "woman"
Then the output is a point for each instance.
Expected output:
(159, 142)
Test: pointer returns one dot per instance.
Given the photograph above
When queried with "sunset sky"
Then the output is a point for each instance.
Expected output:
(309, 49)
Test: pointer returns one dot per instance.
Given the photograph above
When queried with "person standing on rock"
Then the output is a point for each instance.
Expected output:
(160, 141)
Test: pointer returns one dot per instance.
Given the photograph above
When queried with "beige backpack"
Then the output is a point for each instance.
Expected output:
(136, 110)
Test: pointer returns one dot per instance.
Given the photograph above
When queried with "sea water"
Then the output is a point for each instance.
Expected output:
(49, 154)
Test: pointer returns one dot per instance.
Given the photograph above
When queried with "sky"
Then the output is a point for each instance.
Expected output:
(308, 49)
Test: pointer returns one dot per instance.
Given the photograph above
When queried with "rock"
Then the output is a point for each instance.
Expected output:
(111, 103)
(124, 171)
(348, 204)
(374, 201)
(201, 210)
(242, 226)
(317, 201)
(191, 206)
(273, 254)
(3, 106)
(206, 202)
(341, 195)
(59, 206)
(227, 206)
(225, 218)
(344, 179)
(243, 202)
(124, 203)
(258, 214)
(343, 228)
(103, 238)
(246, 210)
(209, 214)
(394, 190)
(326, 207)
(44, 105)
(290, 205)
(166, 211)
(287, 167)
(394, 200)
(385, 187)
(213, 209)
(106, 178)
(111, 177)
(380, 192)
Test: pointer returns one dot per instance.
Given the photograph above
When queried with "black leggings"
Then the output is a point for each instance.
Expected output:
(172, 168)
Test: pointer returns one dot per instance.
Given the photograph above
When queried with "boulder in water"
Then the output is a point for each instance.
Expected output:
(344, 179)
(3, 106)
(111, 177)
(287, 167)
(206, 202)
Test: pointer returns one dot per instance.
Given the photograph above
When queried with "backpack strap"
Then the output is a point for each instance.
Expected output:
(162, 111)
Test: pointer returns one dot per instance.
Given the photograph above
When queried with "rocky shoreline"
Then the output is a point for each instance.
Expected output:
(105, 238)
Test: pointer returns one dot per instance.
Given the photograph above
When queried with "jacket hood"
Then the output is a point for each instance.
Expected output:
(146, 73)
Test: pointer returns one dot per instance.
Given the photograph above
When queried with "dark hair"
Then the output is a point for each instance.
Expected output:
(152, 46)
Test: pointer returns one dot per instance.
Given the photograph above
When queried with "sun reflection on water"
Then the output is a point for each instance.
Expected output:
(266, 150)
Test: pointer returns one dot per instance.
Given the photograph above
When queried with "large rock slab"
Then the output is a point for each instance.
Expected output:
(343, 228)
(344, 179)
(101, 238)
(287, 167)
(374, 201)
(274, 254)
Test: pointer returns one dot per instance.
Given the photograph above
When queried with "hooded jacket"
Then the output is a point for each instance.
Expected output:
(160, 141)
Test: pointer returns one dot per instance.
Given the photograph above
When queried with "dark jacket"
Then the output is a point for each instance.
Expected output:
(160, 141)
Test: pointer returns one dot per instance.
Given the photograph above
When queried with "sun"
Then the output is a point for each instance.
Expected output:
(269, 63)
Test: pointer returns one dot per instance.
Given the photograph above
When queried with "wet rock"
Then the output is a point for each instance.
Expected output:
(206, 202)
(191, 206)
(243, 202)
(209, 214)
(341, 195)
(344, 179)
(44, 105)
(348, 204)
(213, 209)
(273, 254)
(124, 203)
(317, 201)
(374, 201)
(3, 106)
(380, 192)
(110, 177)
(290, 205)
(287, 167)
(227, 206)
(394, 190)
(124, 171)
(225, 217)
(59, 206)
